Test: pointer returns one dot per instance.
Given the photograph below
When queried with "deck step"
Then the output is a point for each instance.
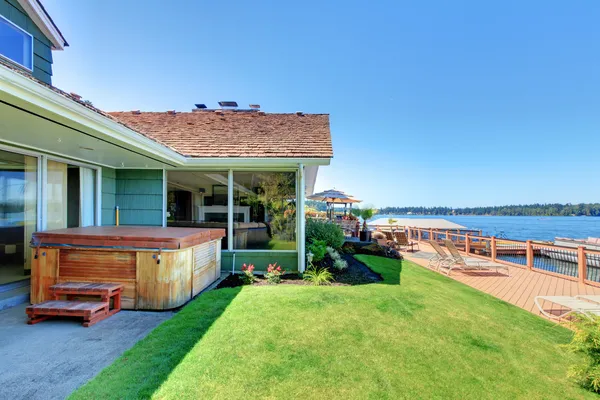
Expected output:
(14, 297)
(64, 307)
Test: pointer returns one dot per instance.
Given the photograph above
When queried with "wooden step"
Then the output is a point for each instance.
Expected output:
(91, 311)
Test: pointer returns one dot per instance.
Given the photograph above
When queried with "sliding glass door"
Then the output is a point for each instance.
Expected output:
(18, 214)
(71, 194)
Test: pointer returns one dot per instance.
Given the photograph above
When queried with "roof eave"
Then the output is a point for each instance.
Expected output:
(43, 21)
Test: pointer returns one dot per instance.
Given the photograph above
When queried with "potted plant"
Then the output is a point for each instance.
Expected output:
(364, 213)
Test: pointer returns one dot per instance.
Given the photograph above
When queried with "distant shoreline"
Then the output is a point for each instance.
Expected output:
(482, 215)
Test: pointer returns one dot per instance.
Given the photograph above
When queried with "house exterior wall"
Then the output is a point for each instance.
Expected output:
(42, 53)
(139, 195)
(109, 192)
(288, 260)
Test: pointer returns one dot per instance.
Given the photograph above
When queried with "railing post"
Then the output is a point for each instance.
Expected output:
(494, 249)
(419, 234)
(409, 233)
(467, 243)
(448, 236)
(581, 264)
(431, 234)
(529, 254)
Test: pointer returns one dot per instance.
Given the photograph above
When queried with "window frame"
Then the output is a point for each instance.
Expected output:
(16, 63)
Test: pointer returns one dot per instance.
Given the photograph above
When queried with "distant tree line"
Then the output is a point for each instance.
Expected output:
(587, 209)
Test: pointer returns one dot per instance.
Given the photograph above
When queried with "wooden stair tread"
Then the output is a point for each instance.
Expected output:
(68, 306)
(85, 287)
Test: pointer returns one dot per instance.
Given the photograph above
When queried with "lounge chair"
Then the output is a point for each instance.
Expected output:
(468, 263)
(573, 304)
(589, 297)
(402, 241)
(440, 258)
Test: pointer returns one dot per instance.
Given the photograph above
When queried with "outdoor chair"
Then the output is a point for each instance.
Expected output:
(402, 241)
(441, 257)
(468, 264)
(574, 305)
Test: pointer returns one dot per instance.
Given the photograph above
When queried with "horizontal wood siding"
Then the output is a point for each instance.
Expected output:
(109, 191)
(101, 266)
(42, 53)
(139, 195)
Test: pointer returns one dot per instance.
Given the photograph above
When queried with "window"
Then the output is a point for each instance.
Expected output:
(198, 200)
(16, 44)
(267, 201)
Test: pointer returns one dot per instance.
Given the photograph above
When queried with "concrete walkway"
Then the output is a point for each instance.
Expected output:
(53, 358)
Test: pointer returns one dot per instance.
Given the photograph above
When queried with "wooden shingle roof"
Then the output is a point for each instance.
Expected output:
(235, 133)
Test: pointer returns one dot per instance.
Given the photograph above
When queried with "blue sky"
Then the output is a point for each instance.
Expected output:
(455, 103)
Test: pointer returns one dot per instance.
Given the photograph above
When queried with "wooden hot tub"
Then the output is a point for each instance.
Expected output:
(161, 268)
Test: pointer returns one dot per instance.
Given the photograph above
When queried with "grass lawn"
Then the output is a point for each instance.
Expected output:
(428, 337)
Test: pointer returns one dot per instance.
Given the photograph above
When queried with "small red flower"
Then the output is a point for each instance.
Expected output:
(278, 268)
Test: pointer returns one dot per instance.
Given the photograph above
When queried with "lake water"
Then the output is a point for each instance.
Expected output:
(522, 228)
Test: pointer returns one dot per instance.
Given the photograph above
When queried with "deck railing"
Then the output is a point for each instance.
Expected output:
(574, 263)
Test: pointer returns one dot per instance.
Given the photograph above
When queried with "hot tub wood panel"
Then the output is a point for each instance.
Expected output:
(165, 285)
(78, 265)
(44, 271)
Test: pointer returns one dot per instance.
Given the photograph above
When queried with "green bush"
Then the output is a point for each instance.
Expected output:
(326, 231)
(318, 276)
(586, 341)
(318, 248)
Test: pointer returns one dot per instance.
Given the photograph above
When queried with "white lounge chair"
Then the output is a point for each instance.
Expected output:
(468, 263)
(572, 304)
(589, 297)
(440, 258)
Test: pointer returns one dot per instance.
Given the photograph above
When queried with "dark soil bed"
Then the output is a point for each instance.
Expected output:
(356, 274)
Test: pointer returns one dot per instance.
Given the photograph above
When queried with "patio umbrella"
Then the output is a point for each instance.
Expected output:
(332, 197)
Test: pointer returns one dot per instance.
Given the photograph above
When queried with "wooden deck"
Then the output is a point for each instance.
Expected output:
(520, 288)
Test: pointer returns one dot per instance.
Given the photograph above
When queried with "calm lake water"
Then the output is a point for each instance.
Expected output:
(523, 228)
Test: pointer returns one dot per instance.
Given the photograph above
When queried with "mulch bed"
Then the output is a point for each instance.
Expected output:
(356, 274)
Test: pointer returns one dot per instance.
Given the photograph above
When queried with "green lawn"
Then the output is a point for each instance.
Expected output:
(428, 337)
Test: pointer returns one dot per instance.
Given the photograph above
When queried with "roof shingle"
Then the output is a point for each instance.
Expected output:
(235, 134)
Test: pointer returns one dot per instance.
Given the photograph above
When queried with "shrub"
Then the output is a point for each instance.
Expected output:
(586, 341)
(248, 277)
(333, 253)
(348, 248)
(318, 276)
(318, 248)
(340, 264)
(330, 233)
(274, 273)
(372, 249)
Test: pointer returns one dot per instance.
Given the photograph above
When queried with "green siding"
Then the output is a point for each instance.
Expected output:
(139, 195)
(42, 53)
(261, 260)
(109, 190)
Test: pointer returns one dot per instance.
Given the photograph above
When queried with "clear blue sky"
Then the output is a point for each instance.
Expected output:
(456, 103)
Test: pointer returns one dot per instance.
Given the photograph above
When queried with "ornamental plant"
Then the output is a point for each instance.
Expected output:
(274, 273)
(248, 277)
(586, 341)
